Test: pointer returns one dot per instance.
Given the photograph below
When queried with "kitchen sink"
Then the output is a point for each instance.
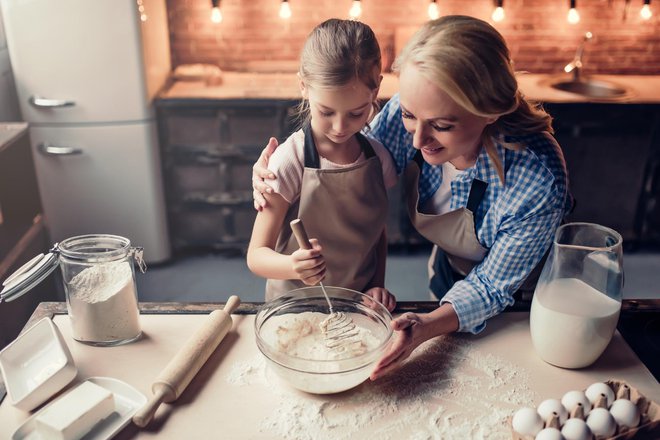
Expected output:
(591, 87)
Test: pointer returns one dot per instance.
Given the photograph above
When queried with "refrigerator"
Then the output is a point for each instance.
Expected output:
(86, 74)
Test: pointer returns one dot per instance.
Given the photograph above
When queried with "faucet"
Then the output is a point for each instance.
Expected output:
(576, 65)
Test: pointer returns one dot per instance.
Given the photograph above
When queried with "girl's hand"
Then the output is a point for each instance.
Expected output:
(260, 172)
(383, 296)
(309, 264)
(410, 335)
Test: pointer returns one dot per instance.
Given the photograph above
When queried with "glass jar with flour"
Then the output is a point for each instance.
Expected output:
(99, 282)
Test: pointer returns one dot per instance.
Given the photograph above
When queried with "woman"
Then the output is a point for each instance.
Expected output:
(486, 182)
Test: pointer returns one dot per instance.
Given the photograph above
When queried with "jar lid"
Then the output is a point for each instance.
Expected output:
(29, 275)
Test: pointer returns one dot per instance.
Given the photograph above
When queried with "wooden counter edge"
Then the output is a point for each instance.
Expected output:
(49, 309)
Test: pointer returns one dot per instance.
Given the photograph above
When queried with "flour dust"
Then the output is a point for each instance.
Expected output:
(450, 390)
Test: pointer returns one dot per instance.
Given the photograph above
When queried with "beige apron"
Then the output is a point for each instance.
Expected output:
(457, 250)
(346, 210)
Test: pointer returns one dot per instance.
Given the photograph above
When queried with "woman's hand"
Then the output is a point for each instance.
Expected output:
(409, 328)
(260, 172)
(309, 264)
(412, 330)
(383, 296)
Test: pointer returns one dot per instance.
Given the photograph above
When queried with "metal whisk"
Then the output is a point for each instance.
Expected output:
(339, 330)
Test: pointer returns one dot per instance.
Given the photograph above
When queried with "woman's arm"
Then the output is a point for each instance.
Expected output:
(305, 265)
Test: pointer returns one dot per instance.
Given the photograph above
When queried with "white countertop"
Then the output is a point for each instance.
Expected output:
(240, 85)
(458, 386)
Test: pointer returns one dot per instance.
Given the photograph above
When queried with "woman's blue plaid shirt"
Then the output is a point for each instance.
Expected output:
(516, 222)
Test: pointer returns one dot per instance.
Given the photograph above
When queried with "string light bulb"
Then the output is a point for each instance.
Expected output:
(216, 15)
(573, 16)
(498, 12)
(285, 10)
(356, 9)
(646, 12)
(433, 11)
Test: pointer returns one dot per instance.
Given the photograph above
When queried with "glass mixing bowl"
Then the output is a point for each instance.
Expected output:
(289, 336)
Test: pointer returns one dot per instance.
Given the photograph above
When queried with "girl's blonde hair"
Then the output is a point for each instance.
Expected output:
(469, 60)
(335, 53)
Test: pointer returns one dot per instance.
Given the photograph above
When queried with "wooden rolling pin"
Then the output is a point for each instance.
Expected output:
(178, 373)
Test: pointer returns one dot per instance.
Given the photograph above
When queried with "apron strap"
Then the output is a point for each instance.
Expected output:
(312, 159)
(419, 159)
(311, 154)
(477, 191)
(367, 149)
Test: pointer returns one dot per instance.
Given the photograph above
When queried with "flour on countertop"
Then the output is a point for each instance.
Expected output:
(450, 391)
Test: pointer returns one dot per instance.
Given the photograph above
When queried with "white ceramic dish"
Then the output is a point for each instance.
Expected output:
(36, 365)
(127, 401)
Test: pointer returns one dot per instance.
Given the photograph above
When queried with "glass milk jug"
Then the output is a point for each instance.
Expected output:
(577, 301)
(99, 282)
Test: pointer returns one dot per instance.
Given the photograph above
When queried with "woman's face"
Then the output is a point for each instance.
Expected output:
(441, 129)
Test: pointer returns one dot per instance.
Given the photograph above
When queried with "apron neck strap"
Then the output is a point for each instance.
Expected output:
(311, 154)
(477, 191)
(419, 159)
(312, 159)
(365, 145)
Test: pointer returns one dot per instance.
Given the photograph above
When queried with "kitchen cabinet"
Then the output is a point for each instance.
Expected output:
(23, 231)
(609, 151)
(208, 148)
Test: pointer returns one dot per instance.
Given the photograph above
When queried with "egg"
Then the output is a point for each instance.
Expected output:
(574, 399)
(526, 421)
(549, 407)
(595, 390)
(601, 422)
(549, 434)
(576, 429)
(625, 413)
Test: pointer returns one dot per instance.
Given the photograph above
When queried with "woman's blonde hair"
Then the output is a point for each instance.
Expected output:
(337, 52)
(469, 60)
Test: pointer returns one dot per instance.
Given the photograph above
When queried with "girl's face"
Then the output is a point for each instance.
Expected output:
(441, 129)
(339, 113)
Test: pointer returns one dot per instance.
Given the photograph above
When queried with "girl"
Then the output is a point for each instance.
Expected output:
(329, 175)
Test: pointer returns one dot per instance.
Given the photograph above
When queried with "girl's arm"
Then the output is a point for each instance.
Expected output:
(305, 265)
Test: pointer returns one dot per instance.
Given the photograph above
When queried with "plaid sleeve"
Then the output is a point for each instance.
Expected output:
(519, 245)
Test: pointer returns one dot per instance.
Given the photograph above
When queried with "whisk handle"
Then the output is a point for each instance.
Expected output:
(300, 233)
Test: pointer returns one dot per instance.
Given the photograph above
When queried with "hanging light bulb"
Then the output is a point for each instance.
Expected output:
(498, 12)
(216, 15)
(143, 14)
(356, 9)
(573, 15)
(433, 11)
(285, 10)
(646, 12)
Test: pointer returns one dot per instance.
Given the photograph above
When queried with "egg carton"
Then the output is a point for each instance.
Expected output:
(649, 424)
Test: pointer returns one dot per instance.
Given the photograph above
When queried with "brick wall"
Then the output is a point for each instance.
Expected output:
(541, 40)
